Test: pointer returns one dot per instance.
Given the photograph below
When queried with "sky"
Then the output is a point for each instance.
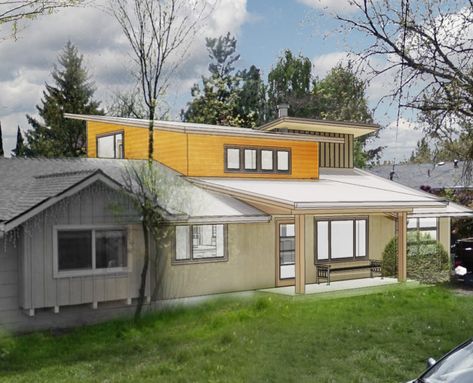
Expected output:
(263, 28)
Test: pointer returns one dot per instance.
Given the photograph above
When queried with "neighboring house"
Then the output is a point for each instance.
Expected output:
(245, 209)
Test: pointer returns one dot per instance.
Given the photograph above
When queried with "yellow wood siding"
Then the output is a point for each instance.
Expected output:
(202, 154)
(206, 156)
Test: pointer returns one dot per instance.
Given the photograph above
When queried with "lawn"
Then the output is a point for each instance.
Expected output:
(381, 337)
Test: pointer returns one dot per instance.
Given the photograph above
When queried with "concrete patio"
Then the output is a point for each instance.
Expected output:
(351, 284)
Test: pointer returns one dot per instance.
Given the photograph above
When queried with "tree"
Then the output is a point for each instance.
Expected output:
(20, 149)
(159, 34)
(290, 81)
(422, 154)
(341, 96)
(128, 105)
(428, 46)
(216, 102)
(1, 142)
(54, 135)
(252, 97)
(12, 12)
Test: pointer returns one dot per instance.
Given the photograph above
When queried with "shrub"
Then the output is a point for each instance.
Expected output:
(426, 262)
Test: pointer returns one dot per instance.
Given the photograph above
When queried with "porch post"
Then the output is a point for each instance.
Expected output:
(402, 247)
(299, 221)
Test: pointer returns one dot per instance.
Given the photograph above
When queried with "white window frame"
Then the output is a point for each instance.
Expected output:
(419, 229)
(116, 151)
(329, 258)
(190, 240)
(93, 270)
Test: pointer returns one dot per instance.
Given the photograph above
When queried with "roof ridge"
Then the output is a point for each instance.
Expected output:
(70, 173)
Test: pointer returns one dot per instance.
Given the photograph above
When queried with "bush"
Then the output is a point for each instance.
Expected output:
(426, 262)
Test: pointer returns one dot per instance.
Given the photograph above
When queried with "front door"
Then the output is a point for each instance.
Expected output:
(285, 253)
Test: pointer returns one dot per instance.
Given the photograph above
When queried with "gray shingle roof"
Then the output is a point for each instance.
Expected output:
(25, 183)
(417, 175)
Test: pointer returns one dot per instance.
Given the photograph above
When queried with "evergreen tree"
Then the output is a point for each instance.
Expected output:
(20, 150)
(72, 92)
(422, 154)
(226, 97)
(1, 142)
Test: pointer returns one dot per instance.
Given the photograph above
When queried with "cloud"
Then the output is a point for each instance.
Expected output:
(337, 6)
(399, 142)
(27, 62)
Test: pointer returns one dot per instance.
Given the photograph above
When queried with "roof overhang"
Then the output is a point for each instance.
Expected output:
(450, 210)
(191, 128)
(98, 175)
(315, 207)
(322, 126)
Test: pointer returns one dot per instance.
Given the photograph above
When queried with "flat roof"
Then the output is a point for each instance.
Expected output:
(322, 126)
(193, 128)
(335, 189)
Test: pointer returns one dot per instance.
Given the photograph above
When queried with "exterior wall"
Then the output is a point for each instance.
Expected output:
(203, 155)
(380, 231)
(332, 155)
(250, 265)
(444, 234)
(40, 290)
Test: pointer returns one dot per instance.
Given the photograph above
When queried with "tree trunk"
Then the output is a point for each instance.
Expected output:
(152, 111)
(144, 272)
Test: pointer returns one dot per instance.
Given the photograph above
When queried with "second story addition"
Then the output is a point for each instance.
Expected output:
(287, 148)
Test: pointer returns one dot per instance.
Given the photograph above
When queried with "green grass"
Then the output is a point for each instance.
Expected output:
(382, 337)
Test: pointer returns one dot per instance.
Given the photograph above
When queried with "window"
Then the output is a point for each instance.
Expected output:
(341, 239)
(287, 251)
(85, 251)
(257, 160)
(233, 159)
(250, 159)
(267, 160)
(200, 242)
(283, 160)
(110, 146)
(421, 230)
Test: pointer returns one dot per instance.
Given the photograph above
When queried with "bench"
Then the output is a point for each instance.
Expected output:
(323, 270)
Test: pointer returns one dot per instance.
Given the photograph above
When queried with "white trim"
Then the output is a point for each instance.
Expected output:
(94, 271)
(192, 128)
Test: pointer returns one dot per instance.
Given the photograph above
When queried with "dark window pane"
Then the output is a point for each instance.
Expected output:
(110, 249)
(74, 250)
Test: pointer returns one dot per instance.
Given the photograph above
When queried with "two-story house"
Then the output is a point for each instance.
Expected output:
(245, 209)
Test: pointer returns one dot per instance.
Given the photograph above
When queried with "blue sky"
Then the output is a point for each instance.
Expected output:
(264, 28)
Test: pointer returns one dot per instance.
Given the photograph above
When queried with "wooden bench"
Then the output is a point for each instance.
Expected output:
(323, 270)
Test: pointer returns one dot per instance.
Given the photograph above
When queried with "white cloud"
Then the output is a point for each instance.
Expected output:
(399, 141)
(323, 63)
(27, 63)
(337, 6)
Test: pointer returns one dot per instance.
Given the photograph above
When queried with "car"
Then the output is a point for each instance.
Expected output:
(455, 366)
(463, 260)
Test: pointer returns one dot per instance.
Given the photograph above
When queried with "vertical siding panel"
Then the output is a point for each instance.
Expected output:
(346, 162)
(336, 162)
(37, 262)
(50, 288)
(350, 146)
(87, 289)
(75, 294)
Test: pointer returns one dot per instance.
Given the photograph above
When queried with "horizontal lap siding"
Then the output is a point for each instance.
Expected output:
(203, 154)
(206, 156)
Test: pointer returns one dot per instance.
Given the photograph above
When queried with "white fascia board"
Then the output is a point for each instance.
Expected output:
(222, 219)
(192, 128)
(368, 204)
(18, 220)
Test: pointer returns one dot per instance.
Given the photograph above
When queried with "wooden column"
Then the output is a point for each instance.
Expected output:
(300, 253)
(402, 247)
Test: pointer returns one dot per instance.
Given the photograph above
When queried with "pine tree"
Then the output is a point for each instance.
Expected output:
(72, 92)
(20, 149)
(1, 142)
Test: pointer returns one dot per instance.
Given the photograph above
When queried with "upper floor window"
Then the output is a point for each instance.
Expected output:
(110, 145)
(257, 160)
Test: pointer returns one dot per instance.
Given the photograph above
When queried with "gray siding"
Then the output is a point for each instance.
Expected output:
(26, 266)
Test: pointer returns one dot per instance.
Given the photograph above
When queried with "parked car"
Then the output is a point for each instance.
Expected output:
(463, 258)
(456, 366)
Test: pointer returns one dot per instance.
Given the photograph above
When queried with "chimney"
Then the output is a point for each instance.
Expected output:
(282, 110)
(455, 163)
